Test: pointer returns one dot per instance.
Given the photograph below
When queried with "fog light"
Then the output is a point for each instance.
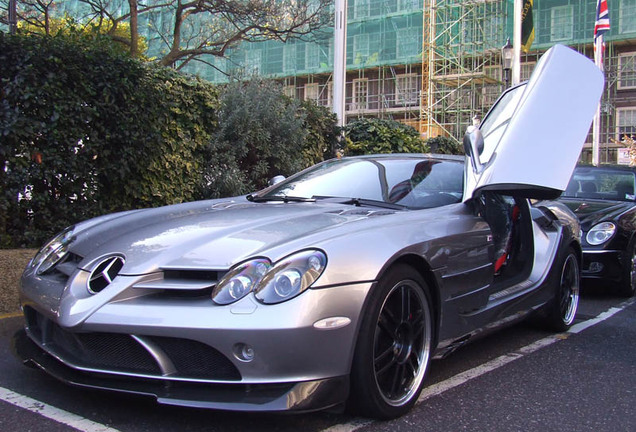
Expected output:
(244, 352)
(595, 267)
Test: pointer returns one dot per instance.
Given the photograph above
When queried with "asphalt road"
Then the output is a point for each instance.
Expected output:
(519, 379)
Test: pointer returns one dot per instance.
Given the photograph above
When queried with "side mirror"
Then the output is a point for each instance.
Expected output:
(474, 146)
(275, 180)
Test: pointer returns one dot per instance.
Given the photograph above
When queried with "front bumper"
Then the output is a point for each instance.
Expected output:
(185, 351)
(602, 265)
(297, 397)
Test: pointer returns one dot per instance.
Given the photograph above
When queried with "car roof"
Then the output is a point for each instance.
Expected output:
(608, 166)
(454, 158)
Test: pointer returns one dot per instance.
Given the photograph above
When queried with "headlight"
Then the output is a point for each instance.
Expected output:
(53, 251)
(240, 281)
(271, 284)
(600, 233)
(291, 276)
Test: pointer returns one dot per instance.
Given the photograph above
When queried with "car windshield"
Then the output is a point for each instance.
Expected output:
(601, 183)
(391, 181)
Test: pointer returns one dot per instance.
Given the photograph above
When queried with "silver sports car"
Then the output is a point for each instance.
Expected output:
(335, 286)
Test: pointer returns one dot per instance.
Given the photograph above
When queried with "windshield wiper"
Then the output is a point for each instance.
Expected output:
(358, 202)
(285, 199)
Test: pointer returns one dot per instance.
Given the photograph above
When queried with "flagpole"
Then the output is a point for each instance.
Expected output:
(601, 26)
(596, 126)
(340, 60)
(516, 42)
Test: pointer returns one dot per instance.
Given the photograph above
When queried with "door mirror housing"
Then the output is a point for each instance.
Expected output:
(275, 180)
(474, 147)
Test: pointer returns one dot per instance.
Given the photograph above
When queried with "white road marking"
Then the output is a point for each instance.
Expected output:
(50, 412)
(459, 379)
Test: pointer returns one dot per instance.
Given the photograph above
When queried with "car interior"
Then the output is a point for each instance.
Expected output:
(509, 220)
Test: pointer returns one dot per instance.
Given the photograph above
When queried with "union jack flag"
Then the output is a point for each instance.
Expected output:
(602, 23)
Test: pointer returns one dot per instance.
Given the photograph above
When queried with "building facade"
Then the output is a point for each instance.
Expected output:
(435, 64)
(432, 64)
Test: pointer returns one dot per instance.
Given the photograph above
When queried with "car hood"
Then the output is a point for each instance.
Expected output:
(591, 212)
(209, 235)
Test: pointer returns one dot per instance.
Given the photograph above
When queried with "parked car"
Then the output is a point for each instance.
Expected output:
(337, 285)
(604, 199)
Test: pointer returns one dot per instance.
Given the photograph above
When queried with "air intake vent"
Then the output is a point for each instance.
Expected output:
(104, 273)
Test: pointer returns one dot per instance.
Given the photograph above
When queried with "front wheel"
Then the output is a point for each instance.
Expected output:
(393, 347)
(561, 311)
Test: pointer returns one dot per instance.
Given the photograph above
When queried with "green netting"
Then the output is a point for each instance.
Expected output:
(384, 33)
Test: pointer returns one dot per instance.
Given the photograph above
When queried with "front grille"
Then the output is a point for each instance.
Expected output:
(104, 351)
(197, 360)
(121, 353)
(111, 351)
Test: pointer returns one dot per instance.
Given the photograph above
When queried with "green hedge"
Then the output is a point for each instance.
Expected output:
(375, 136)
(86, 130)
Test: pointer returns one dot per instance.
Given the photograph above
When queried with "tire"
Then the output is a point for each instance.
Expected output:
(627, 287)
(561, 311)
(394, 346)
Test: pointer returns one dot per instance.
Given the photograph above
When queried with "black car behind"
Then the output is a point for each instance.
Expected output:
(603, 198)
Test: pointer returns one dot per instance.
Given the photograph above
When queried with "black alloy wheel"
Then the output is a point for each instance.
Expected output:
(561, 311)
(394, 346)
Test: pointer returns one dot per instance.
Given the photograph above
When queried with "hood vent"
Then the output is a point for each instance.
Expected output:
(363, 212)
(104, 273)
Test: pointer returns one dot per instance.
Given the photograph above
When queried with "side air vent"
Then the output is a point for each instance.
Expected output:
(104, 273)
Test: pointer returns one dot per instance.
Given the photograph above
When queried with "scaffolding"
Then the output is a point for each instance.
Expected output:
(433, 64)
(462, 59)
(436, 64)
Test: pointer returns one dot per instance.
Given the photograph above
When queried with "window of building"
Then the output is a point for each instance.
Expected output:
(290, 91)
(627, 71)
(627, 14)
(220, 69)
(361, 8)
(326, 98)
(625, 122)
(360, 93)
(312, 56)
(406, 89)
(493, 72)
(561, 23)
(526, 70)
(253, 60)
(493, 29)
(361, 45)
(467, 31)
(312, 91)
(491, 91)
(408, 5)
(289, 58)
(408, 42)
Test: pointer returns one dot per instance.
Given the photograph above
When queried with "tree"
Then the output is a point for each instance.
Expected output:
(263, 133)
(34, 13)
(260, 136)
(191, 30)
(373, 135)
(322, 132)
